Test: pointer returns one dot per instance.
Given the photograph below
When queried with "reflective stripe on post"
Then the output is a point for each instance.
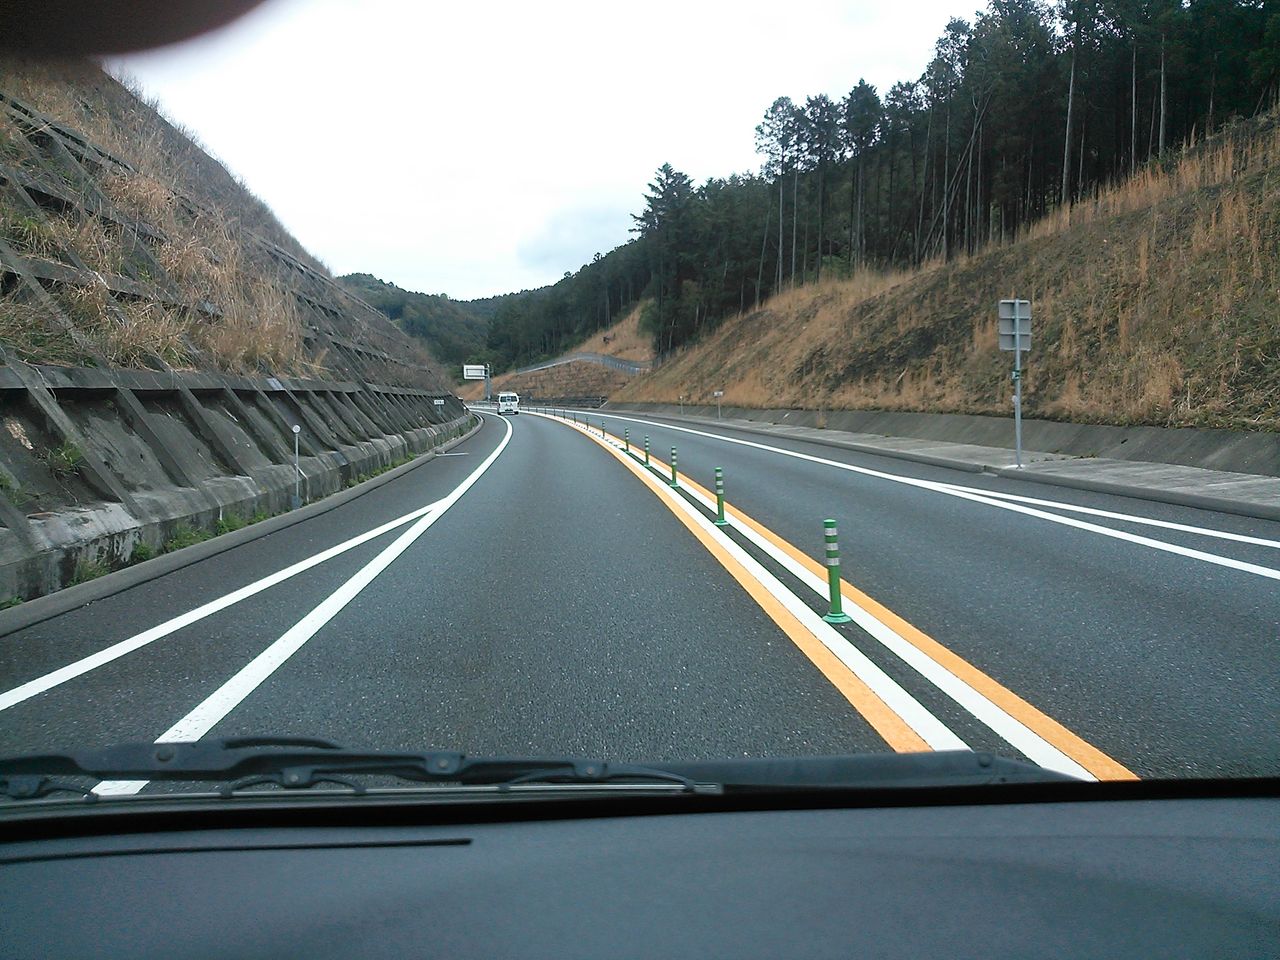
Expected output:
(837, 614)
(720, 520)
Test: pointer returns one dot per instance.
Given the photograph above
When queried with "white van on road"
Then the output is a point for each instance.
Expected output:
(509, 403)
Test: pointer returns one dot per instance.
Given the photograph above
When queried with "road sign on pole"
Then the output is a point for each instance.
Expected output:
(718, 395)
(1015, 335)
(474, 371)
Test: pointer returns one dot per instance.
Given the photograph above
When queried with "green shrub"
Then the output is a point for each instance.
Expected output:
(228, 523)
(8, 602)
(87, 570)
(65, 460)
(185, 537)
(141, 553)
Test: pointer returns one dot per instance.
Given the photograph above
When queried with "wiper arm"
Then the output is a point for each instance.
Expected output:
(298, 763)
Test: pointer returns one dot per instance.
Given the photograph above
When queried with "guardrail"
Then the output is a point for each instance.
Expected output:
(615, 363)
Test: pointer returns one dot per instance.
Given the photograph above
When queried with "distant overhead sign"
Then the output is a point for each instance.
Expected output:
(438, 402)
(1015, 324)
(474, 371)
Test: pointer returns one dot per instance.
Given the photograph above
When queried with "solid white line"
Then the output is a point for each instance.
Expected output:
(50, 680)
(982, 496)
(1126, 517)
(932, 730)
(228, 696)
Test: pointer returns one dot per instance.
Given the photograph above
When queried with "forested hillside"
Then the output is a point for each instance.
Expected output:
(1023, 111)
(453, 332)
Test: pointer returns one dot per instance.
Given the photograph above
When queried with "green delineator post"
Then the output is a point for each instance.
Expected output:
(720, 520)
(675, 479)
(626, 438)
(646, 451)
(837, 614)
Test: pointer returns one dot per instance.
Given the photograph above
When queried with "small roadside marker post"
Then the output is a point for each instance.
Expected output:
(626, 438)
(675, 478)
(297, 470)
(837, 614)
(646, 450)
(720, 520)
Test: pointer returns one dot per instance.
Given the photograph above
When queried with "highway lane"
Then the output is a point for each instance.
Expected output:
(1163, 661)
(559, 606)
(556, 607)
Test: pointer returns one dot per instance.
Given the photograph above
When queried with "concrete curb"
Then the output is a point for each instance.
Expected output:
(55, 604)
(1257, 511)
(1200, 501)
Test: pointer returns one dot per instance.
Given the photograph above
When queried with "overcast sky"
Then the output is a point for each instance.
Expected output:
(488, 147)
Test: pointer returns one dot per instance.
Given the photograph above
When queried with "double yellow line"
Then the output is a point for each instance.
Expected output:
(883, 719)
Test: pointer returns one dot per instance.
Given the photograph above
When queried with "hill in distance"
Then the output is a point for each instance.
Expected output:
(453, 330)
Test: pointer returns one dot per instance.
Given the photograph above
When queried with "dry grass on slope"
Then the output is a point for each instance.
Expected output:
(204, 257)
(626, 341)
(1157, 301)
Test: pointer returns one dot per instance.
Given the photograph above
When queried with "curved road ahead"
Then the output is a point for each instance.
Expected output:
(538, 591)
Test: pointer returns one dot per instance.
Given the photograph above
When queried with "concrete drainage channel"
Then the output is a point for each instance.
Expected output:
(103, 469)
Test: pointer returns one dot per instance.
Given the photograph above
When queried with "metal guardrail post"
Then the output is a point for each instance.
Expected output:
(837, 614)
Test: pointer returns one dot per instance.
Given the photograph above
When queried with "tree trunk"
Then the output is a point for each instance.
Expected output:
(1133, 124)
(946, 185)
(1080, 175)
(795, 214)
(1213, 85)
(778, 284)
(822, 185)
(1163, 98)
(853, 215)
(1066, 146)
(862, 241)
(764, 243)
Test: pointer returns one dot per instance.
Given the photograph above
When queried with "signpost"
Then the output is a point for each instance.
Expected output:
(1015, 335)
(438, 402)
(478, 371)
(718, 394)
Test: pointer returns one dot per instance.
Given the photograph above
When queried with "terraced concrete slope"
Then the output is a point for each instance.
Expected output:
(160, 337)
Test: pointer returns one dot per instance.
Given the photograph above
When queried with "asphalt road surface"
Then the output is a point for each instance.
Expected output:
(538, 591)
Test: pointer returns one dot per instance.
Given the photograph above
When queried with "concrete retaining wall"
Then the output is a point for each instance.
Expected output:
(1229, 450)
(98, 467)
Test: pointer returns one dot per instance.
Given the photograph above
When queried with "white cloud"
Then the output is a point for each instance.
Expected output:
(490, 147)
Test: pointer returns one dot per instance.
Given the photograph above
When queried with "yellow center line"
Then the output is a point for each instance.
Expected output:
(882, 718)
(1051, 731)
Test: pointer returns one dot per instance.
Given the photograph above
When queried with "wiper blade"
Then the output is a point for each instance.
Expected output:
(942, 768)
(298, 763)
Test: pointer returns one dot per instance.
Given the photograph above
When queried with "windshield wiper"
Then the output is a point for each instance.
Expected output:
(298, 763)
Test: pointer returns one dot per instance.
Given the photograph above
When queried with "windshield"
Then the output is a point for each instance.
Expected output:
(890, 381)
